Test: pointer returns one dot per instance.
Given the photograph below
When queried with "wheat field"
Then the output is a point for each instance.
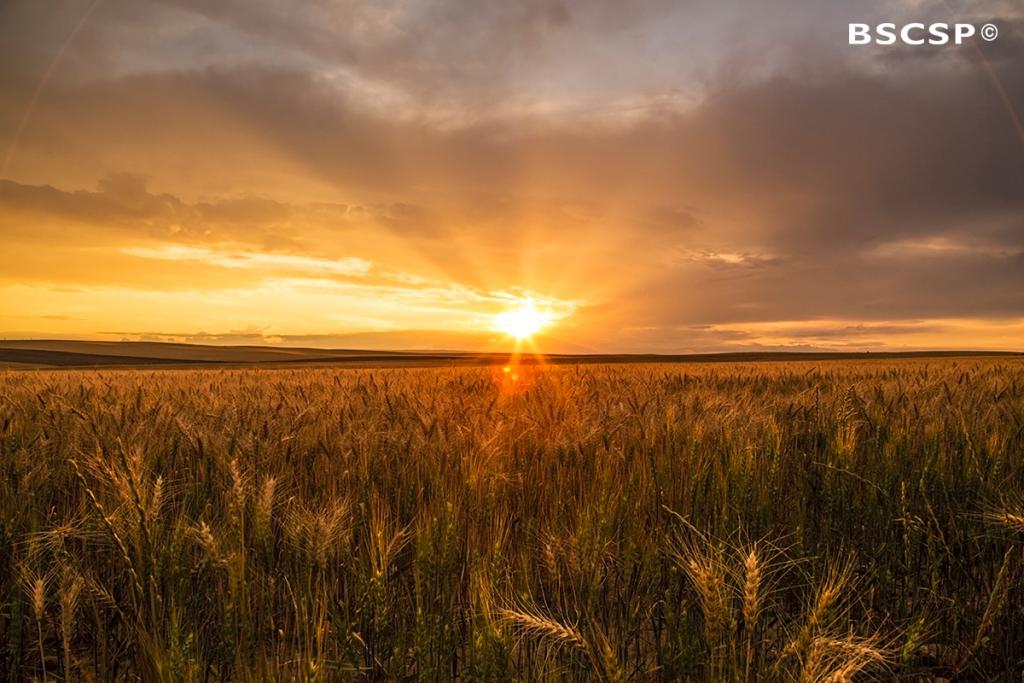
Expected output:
(804, 521)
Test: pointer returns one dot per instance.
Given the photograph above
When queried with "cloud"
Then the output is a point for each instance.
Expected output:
(655, 159)
(122, 205)
(350, 266)
(394, 340)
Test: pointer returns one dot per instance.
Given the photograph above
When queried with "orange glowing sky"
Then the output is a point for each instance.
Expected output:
(662, 177)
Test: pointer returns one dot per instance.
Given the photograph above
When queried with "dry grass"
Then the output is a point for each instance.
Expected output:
(581, 523)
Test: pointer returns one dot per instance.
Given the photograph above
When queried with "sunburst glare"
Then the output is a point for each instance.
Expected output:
(524, 320)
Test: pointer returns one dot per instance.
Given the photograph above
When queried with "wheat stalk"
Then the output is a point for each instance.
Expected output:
(533, 623)
(108, 523)
(1013, 521)
(70, 591)
(753, 571)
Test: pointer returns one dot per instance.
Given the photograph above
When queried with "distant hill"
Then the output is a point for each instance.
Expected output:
(71, 354)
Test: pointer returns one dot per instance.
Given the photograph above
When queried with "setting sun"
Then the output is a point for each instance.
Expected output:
(523, 321)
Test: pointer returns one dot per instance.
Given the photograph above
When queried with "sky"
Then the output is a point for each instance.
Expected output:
(653, 176)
